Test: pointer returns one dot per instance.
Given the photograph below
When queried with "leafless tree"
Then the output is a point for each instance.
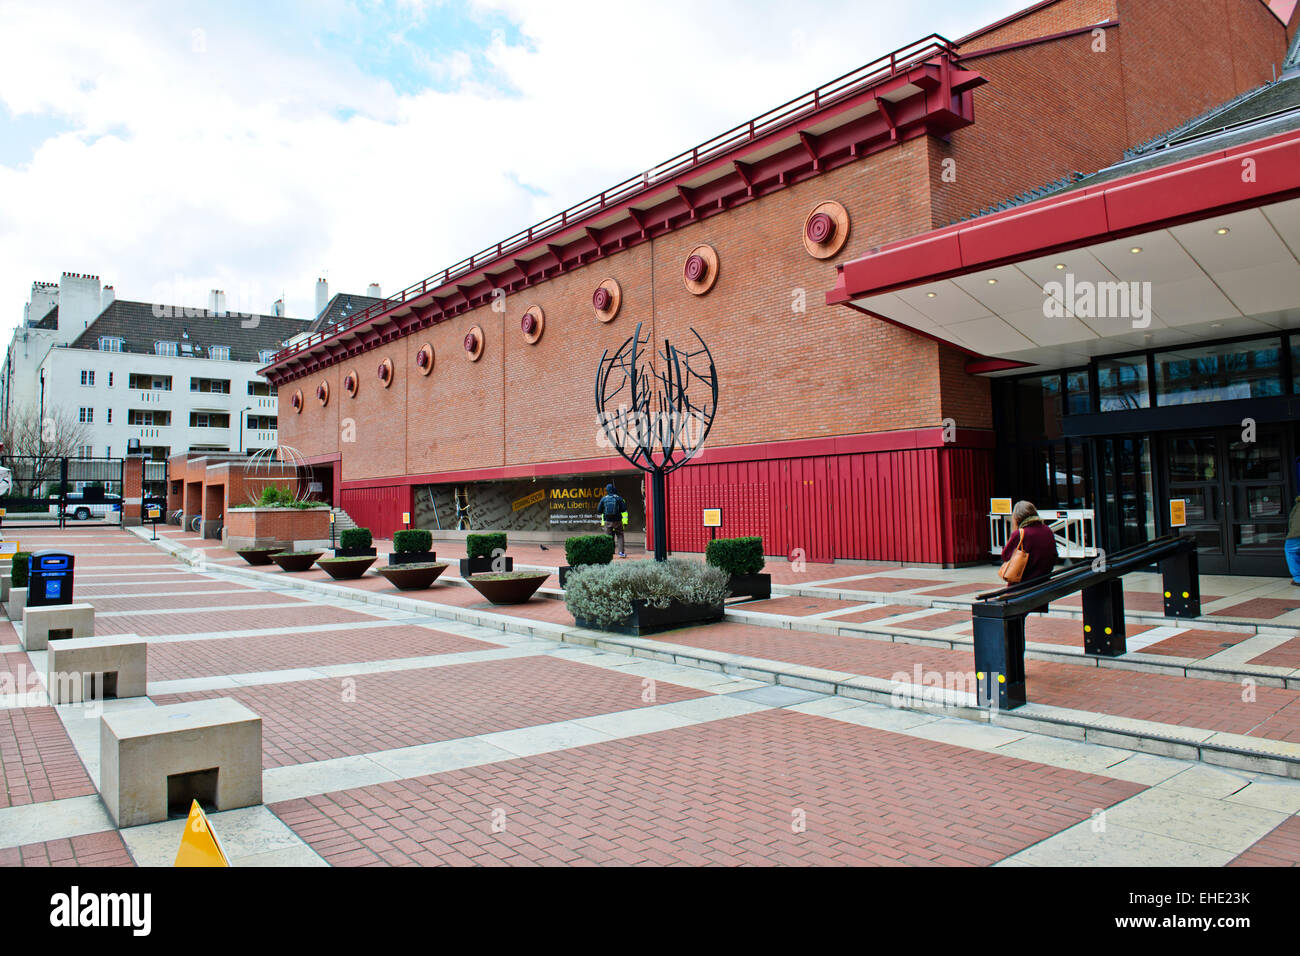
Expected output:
(32, 447)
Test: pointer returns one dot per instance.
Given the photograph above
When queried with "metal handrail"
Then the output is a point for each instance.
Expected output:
(1026, 596)
(881, 68)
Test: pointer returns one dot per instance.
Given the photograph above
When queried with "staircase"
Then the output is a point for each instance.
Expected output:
(342, 520)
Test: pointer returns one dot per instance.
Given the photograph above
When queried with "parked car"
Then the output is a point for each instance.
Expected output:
(76, 505)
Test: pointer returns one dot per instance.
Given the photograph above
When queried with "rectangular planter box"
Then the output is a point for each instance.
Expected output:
(412, 557)
(355, 553)
(652, 620)
(470, 566)
(566, 571)
(302, 528)
(755, 586)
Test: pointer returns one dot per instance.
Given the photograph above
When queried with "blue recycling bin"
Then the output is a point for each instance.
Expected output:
(49, 578)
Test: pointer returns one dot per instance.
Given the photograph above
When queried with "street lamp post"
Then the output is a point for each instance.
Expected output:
(246, 408)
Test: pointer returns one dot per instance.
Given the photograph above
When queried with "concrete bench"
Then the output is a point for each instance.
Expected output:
(153, 758)
(6, 582)
(16, 603)
(56, 621)
(86, 668)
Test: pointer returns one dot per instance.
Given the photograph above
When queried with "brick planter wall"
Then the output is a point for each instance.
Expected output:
(296, 528)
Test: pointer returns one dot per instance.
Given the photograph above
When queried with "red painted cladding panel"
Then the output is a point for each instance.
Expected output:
(923, 505)
(379, 509)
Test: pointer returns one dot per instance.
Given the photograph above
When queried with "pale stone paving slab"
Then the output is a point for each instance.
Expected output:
(53, 820)
(249, 836)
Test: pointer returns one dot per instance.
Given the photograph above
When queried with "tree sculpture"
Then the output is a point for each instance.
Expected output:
(648, 416)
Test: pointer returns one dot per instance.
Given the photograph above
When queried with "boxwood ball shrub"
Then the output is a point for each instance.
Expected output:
(482, 545)
(355, 538)
(604, 593)
(589, 549)
(19, 577)
(413, 539)
(736, 555)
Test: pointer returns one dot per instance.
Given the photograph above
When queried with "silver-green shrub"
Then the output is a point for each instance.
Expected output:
(603, 593)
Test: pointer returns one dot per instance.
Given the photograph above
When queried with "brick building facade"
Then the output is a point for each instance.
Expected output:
(836, 434)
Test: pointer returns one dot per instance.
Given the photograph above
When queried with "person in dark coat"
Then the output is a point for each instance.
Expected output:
(1040, 542)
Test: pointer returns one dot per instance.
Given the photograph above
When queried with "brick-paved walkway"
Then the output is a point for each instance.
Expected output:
(200, 622)
(90, 849)
(267, 652)
(1280, 847)
(37, 760)
(321, 719)
(770, 788)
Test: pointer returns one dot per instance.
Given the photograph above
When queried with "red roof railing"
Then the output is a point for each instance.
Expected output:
(877, 70)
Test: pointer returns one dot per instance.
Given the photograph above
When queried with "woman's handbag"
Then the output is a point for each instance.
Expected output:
(1013, 569)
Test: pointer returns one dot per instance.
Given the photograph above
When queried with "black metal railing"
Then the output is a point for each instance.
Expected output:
(999, 616)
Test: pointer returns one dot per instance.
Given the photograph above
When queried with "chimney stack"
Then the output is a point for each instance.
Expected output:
(373, 291)
(278, 307)
(216, 302)
(322, 295)
(106, 297)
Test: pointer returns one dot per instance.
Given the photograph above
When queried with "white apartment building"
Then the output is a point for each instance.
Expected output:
(178, 379)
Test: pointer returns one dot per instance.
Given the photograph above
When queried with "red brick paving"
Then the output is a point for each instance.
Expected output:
(165, 601)
(1196, 644)
(37, 760)
(1284, 655)
(264, 652)
(884, 584)
(90, 849)
(310, 720)
(874, 613)
(1190, 702)
(1263, 608)
(197, 622)
(1278, 847)
(722, 793)
(156, 584)
(957, 589)
(17, 676)
(796, 606)
(937, 620)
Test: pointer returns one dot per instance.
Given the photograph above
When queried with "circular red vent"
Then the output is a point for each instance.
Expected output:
(422, 358)
(601, 299)
(471, 342)
(821, 227)
(696, 267)
(528, 323)
(320, 392)
(383, 370)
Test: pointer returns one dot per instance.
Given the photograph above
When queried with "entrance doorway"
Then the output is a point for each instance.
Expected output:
(1237, 493)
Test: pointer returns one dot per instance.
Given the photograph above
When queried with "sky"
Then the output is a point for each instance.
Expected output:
(175, 147)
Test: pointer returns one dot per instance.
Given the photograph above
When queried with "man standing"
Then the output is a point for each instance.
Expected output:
(610, 511)
(1292, 545)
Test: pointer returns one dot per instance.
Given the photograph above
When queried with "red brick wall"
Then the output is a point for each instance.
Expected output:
(1054, 18)
(279, 524)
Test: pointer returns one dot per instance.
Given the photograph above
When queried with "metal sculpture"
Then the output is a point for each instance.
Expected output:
(646, 412)
(278, 466)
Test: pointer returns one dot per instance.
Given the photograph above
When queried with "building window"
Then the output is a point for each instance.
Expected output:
(1122, 383)
(87, 378)
(263, 422)
(109, 419)
(110, 384)
(215, 386)
(209, 420)
(266, 356)
(148, 417)
(85, 451)
(164, 348)
(219, 352)
(259, 388)
(162, 383)
(86, 416)
(1219, 373)
(109, 343)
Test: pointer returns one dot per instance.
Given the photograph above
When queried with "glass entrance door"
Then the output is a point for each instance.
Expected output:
(1237, 498)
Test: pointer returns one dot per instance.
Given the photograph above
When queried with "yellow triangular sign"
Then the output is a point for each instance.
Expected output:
(199, 845)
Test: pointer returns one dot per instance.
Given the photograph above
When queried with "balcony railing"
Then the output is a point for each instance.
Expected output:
(842, 87)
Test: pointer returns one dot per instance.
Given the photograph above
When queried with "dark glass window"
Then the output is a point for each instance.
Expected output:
(1078, 393)
(1122, 383)
(1219, 373)
(1039, 406)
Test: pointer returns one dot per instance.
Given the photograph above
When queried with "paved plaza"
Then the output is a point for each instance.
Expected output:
(429, 728)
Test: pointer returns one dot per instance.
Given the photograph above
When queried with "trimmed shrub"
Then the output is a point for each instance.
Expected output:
(482, 545)
(589, 549)
(604, 593)
(355, 538)
(736, 555)
(19, 577)
(411, 540)
(273, 496)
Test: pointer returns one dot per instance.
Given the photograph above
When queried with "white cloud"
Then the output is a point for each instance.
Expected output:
(247, 157)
